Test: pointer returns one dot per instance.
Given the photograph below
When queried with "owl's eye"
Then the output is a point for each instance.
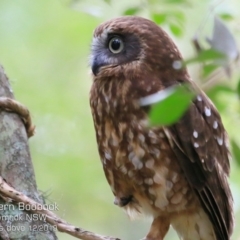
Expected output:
(115, 45)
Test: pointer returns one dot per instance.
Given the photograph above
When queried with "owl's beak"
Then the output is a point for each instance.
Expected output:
(95, 69)
(96, 64)
(98, 61)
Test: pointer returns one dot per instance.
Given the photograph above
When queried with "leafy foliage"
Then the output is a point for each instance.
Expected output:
(132, 11)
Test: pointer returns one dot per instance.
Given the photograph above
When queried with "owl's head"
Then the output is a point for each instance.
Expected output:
(132, 45)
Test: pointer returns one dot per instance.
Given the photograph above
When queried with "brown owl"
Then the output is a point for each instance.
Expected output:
(176, 174)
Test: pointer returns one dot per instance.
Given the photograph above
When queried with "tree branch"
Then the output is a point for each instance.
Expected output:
(35, 207)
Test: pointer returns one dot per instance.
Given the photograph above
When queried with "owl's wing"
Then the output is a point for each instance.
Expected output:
(199, 142)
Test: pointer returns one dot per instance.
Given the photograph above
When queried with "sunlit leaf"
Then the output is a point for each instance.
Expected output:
(236, 151)
(168, 105)
(170, 17)
(159, 18)
(226, 16)
(206, 55)
(132, 11)
(175, 29)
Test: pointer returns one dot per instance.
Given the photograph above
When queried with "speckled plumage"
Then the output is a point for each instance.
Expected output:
(176, 174)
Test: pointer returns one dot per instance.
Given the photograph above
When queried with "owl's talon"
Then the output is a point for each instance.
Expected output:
(11, 105)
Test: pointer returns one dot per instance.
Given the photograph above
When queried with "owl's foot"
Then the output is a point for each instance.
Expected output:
(11, 105)
(158, 230)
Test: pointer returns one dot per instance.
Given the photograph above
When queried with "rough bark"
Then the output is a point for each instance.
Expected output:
(17, 170)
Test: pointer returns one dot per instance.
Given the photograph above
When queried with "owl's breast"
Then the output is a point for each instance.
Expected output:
(140, 165)
(138, 161)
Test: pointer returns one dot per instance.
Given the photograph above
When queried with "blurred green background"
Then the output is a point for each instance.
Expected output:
(44, 48)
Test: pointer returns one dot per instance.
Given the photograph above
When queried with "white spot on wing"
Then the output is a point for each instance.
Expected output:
(196, 145)
(199, 98)
(106, 99)
(220, 141)
(195, 134)
(207, 111)
(108, 156)
(177, 64)
(215, 124)
(175, 177)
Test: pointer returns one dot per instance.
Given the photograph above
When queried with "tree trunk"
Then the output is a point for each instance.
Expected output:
(17, 170)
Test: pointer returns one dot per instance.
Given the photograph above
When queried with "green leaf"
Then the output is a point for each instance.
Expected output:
(208, 69)
(235, 151)
(171, 107)
(107, 1)
(132, 11)
(175, 29)
(226, 16)
(159, 18)
(206, 55)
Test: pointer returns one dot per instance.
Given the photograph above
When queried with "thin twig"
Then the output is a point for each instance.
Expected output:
(51, 217)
